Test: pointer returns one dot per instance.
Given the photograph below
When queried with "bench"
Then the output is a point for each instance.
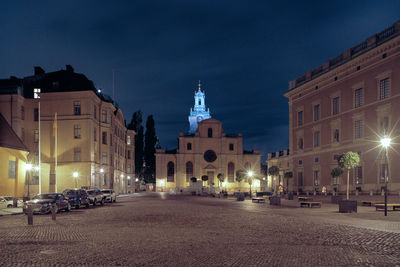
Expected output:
(304, 198)
(382, 206)
(371, 203)
(258, 200)
(310, 204)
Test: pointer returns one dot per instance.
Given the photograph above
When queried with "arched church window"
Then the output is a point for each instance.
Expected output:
(170, 171)
(199, 102)
(189, 171)
(231, 172)
(189, 146)
(210, 132)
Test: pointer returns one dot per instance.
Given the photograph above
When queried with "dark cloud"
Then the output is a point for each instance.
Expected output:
(245, 53)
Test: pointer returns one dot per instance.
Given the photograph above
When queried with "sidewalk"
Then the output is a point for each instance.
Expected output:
(10, 211)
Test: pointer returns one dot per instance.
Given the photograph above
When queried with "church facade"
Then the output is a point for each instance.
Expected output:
(206, 151)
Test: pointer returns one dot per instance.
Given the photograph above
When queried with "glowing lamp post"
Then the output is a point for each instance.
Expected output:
(385, 142)
(75, 175)
(250, 175)
(28, 168)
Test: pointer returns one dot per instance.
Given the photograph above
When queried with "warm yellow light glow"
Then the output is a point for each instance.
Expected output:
(101, 170)
(162, 182)
(122, 176)
(28, 167)
(75, 174)
(223, 184)
(36, 168)
(250, 173)
(129, 177)
(136, 180)
(385, 141)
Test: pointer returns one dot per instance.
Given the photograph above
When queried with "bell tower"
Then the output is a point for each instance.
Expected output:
(199, 111)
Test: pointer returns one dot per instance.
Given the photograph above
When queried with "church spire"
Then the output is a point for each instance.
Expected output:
(199, 111)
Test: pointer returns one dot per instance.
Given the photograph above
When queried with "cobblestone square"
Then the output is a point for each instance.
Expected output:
(151, 229)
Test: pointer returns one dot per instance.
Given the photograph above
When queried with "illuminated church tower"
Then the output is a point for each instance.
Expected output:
(198, 112)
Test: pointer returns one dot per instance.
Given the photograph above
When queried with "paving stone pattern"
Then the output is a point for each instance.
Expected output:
(157, 230)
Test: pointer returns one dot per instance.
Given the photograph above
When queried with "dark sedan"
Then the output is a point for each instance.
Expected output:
(42, 203)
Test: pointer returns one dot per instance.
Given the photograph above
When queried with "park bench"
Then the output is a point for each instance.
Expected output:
(392, 205)
(310, 204)
(304, 198)
(258, 200)
(371, 203)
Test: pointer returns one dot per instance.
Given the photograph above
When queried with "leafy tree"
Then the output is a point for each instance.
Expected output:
(204, 178)
(349, 160)
(221, 178)
(150, 141)
(193, 179)
(136, 125)
(336, 172)
(240, 174)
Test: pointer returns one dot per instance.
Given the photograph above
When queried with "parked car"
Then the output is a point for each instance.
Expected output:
(96, 196)
(109, 195)
(42, 203)
(8, 202)
(77, 197)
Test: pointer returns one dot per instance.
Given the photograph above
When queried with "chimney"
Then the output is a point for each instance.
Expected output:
(39, 70)
(69, 68)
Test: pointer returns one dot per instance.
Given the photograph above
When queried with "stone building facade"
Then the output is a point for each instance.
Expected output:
(207, 152)
(92, 140)
(348, 104)
(282, 160)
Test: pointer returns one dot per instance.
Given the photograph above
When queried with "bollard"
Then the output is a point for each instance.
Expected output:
(30, 215)
(53, 211)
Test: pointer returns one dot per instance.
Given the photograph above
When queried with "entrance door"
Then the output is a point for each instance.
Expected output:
(210, 177)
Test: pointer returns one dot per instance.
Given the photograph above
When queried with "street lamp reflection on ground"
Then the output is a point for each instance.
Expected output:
(385, 142)
(75, 175)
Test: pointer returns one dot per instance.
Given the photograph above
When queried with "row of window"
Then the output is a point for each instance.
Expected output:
(358, 176)
(358, 133)
(384, 92)
(189, 171)
(189, 146)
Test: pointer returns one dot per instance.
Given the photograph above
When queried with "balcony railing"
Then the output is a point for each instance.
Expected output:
(385, 34)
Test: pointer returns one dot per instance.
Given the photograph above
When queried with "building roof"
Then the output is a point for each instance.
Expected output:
(8, 138)
(348, 55)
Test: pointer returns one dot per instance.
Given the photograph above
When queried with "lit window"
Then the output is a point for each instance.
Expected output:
(36, 93)
(128, 140)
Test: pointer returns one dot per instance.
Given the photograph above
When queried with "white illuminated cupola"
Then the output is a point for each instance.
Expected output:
(199, 111)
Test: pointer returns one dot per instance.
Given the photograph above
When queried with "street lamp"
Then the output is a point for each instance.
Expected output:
(385, 142)
(250, 175)
(28, 168)
(75, 175)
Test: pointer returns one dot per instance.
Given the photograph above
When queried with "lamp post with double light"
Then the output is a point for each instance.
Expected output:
(250, 175)
(385, 142)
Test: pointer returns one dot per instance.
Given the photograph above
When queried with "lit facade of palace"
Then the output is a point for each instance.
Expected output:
(209, 151)
(92, 140)
(348, 104)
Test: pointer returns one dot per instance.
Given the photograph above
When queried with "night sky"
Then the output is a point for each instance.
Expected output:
(244, 52)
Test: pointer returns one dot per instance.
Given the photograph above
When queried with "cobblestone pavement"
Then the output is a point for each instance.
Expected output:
(157, 230)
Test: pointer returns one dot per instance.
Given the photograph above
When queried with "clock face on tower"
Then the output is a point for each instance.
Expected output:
(199, 118)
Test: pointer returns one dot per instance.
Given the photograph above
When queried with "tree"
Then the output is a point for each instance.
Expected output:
(193, 179)
(274, 172)
(288, 175)
(349, 160)
(240, 174)
(221, 178)
(150, 140)
(136, 125)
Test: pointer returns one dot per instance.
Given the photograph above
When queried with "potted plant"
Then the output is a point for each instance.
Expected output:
(348, 160)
